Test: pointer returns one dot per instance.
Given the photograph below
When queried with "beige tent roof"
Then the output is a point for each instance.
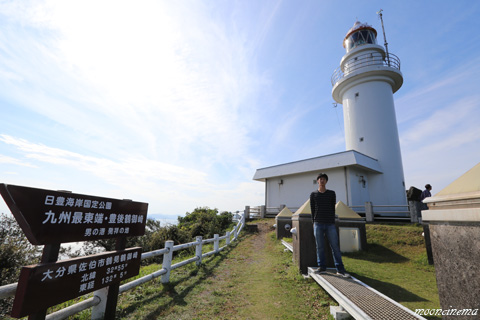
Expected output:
(285, 213)
(344, 212)
(465, 187)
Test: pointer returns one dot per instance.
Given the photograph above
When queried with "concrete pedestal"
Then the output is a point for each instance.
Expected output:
(284, 225)
(304, 247)
(454, 222)
(361, 233)
(456, 252)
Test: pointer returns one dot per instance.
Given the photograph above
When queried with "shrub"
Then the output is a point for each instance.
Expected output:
(205, 222)
(15, 252)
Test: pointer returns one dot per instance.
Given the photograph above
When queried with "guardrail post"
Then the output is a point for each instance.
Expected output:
(247, 212)
(216, 243)
(227, 241)
(167, 261)
(369, 212)
(98, 311)
(198, 250)
(414, 207)
(262, 211)
(241, 225)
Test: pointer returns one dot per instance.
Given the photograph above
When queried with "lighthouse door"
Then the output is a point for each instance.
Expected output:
(359, 187)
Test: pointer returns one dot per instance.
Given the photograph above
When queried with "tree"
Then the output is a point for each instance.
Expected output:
(205, 222)
(15, 252)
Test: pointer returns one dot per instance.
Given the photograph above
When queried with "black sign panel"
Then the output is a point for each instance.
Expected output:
(48, 217)
(45, 285)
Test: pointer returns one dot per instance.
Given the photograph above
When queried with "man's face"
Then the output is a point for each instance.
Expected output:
(322, 181)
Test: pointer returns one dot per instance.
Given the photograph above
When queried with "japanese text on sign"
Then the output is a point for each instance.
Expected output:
(44, 285)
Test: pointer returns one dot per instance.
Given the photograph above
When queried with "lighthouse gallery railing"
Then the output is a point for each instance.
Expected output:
(363, 61)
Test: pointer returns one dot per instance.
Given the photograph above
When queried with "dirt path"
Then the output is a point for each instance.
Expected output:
(267, 284)
(255, 279)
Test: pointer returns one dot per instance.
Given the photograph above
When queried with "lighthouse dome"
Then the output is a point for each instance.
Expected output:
(359, 34)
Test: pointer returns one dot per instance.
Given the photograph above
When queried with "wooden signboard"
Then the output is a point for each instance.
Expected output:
(51, 217)
(45, 285)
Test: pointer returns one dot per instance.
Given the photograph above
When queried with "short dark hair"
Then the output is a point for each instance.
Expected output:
(322, 175)
(428, 186)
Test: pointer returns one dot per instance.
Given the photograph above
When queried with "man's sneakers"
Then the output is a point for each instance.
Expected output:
(324, 270)
(343, 274)
(320, 270)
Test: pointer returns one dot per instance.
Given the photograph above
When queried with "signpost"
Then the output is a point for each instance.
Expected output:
(50, 218)
(44, 285)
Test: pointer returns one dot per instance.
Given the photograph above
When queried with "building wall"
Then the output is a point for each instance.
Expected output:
(295, 189)
(359, 186)
(371, 129)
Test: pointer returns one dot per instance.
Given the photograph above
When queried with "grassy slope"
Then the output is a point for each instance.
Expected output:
(256, 279)
(396, 265)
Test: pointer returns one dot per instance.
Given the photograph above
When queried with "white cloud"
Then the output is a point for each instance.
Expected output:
(166, 186)
(115, 172)
(14, 161)
(141, 69)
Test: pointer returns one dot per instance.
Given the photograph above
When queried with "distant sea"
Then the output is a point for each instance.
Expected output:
(164, 219)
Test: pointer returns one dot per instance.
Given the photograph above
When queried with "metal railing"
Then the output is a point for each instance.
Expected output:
(369, 211)
(98, 301)
(363, 61)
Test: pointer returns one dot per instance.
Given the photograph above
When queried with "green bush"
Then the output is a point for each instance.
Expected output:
(202, 221)
(205, 222)
(15, 252)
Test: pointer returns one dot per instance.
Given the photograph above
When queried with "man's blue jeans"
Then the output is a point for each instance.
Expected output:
(328, 229)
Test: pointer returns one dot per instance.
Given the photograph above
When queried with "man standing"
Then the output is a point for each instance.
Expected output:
(322, 204)
(426, 193)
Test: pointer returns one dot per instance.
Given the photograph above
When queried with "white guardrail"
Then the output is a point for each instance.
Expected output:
(99, 299)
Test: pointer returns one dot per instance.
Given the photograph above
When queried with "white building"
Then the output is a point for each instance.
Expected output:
(371, 169)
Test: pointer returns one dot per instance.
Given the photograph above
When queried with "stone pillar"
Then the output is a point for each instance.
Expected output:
(304, 247)
(369, 212)
(415, 211)
(283, 221)
(284, 225)
(262, 211)
(428, 242)
(454, 222)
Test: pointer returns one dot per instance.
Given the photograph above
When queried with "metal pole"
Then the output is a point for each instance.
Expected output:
(384, 36)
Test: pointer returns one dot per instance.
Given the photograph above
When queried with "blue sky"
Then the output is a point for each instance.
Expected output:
(177, 103)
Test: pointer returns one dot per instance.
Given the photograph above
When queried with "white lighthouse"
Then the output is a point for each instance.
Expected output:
(364, 84)
(368, 176)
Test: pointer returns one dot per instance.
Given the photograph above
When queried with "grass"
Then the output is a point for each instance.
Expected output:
(255, 278)
(396, 265)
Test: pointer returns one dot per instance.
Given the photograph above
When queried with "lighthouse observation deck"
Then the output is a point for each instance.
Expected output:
(366, 60)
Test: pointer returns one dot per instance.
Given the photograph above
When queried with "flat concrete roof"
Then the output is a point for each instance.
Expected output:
(341, 159)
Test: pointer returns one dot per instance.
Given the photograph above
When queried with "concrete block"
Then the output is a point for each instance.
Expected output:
(339, 313)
